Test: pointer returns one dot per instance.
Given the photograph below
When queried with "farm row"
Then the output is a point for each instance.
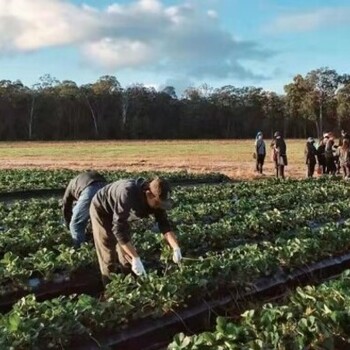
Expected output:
(230, 235)
(35, 179)
(35, 242)
(310, 318)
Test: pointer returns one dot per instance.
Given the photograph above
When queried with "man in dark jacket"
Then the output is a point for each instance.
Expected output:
(279, 154)
(310, 156)
(329, 154)
(111, 210)
(321, 158)
(81, 189)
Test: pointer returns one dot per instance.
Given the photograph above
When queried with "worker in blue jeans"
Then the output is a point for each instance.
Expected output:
(80, 189)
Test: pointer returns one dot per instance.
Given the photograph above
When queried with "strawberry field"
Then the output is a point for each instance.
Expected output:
(241, 242)
(310, 318)
(36, 179)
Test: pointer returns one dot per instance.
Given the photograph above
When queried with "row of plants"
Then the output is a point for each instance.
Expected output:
(36, 249)
(45, 265)
(56, 323)
(257, 226)
(27, 226)
(30, 179)
(31, 225)
(311, 318)
(240, 197)
(196, 239)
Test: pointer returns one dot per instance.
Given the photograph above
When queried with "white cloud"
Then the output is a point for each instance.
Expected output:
(143, 34)
(153, 6)
(311, 20)
(212, 14)
(35, 24)
(113, 53)
(152, 86)
(150, 6)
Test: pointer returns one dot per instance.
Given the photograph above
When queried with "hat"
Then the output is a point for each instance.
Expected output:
(310, 140)
(161, 190)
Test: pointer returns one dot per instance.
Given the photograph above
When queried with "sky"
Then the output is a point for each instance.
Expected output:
(181, 43)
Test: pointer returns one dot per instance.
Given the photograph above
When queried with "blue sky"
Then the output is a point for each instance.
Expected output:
(173, 42)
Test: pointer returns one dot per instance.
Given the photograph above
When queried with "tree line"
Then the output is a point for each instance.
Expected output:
(54, 110)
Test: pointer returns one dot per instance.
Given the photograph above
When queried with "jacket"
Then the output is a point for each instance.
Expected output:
(124, 201)
(260, 147)
(75, 187)
(310, 153)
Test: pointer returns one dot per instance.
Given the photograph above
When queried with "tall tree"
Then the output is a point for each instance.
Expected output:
(274, 110)
(227, 102)
(170, 90)
(343, 108)
(99, 97)
(324, 84)
(302, 101)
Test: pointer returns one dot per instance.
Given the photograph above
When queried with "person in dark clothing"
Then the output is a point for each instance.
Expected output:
(329, 154)
(310, 156)
(111, 210)
(321, 158)
(260, 151)
(80, 189)
(279, 154)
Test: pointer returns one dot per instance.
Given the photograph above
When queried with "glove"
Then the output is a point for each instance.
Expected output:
(137, 267)
(177, 255)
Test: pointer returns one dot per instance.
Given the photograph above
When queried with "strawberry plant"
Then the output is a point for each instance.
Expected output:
(29, 179)
(312, 318)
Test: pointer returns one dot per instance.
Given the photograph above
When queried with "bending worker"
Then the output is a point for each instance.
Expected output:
(111, 210)
(80, 189)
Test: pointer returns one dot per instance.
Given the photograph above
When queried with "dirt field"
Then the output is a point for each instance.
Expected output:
(233, 158)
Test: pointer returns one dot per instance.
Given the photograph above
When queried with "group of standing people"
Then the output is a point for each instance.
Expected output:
(279, 153)
(331, 158)
(111, 208)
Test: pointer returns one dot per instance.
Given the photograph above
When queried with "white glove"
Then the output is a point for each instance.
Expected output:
(177, 255)
(137, 267)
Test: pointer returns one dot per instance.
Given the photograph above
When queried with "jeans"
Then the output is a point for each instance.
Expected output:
(81, 214)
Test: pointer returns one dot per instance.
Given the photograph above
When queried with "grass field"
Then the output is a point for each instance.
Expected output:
(231, 157)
